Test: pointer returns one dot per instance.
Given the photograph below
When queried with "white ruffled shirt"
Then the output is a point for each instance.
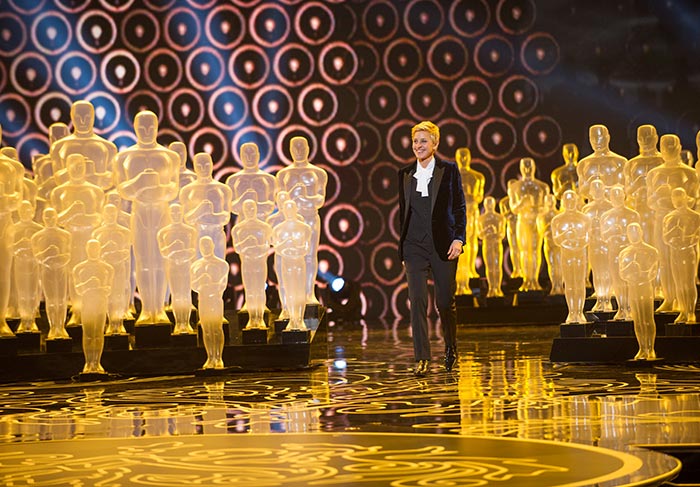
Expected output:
(423, 176)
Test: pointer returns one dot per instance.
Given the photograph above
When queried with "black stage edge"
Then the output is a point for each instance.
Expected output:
(522, 309)
(117, 342)
(254, 336)
(682, 329)
(598, 329)
(515, 307)
(8, 346)
(60, 345)
(64, 364)
(615, 350)
(609, 341)
(152, 335)
(185, 340)
(687, 453)
(29, 341)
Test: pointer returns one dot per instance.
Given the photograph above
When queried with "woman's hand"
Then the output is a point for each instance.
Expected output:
(455, 250)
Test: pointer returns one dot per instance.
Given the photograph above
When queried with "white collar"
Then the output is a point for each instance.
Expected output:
(427, 169)
(423, 175)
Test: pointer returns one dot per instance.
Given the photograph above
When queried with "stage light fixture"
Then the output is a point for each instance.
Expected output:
(342, 299)
(337, 284)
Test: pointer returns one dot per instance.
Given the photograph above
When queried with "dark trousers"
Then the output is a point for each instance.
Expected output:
(421, 260)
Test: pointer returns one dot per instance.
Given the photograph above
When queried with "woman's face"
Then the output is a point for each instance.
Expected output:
(423, 146)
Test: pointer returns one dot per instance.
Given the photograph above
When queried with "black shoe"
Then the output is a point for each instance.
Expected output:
(421, 368)
(450, 358)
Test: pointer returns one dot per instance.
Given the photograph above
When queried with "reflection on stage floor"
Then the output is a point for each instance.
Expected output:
(362, 418)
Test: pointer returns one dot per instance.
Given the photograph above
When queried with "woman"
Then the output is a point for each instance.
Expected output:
(432, 215)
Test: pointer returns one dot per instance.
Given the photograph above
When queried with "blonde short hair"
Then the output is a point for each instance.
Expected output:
(427, 126)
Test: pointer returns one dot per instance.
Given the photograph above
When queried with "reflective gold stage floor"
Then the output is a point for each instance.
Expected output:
(505, 417)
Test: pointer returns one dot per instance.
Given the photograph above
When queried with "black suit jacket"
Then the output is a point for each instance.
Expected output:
(449, 216)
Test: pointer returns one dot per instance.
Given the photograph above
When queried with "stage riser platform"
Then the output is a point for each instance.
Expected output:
(524, 314)
(671, 349)
(175, 360)
(519, 308)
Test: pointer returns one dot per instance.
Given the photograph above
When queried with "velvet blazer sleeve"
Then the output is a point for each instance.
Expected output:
(449, 209)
